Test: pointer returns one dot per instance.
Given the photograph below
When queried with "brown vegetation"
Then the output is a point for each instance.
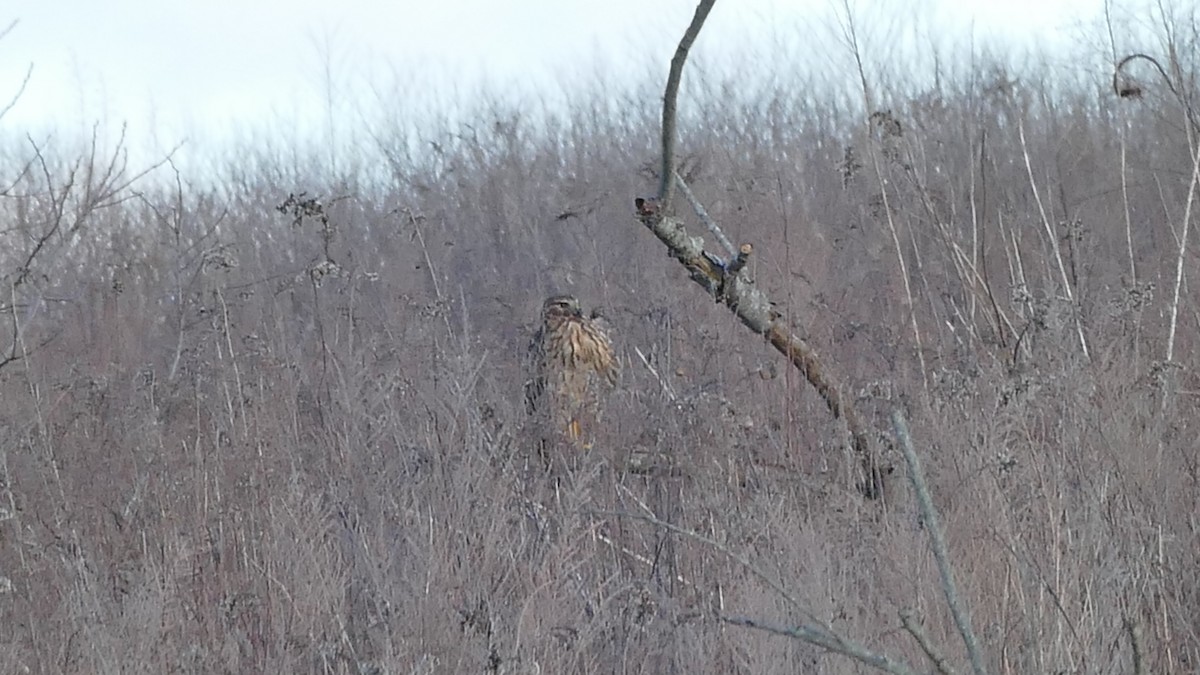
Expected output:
(275, 423)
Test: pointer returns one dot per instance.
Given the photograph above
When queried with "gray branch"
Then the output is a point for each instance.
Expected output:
(831, 641)
(937, 540)
(702, 214)
(666, 188)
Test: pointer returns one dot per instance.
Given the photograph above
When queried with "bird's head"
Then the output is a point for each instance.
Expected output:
(560, 307)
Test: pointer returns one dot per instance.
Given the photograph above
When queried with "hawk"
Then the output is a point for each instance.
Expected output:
(573, 364)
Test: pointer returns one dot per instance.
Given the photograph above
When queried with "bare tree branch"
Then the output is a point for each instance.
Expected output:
(758, 313)
(666, 188)
(828, 641)
(20, 90)
(937, 540)
(24, 81)
(57, 207)
(728, 283)
(68, 196)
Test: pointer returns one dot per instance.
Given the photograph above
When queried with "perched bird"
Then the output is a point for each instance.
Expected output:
(573, 365)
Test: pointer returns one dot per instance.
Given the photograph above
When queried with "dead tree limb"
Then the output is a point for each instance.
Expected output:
(937, 541)
(727, 282)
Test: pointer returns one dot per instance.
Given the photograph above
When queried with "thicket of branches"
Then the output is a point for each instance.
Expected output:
(270, 422)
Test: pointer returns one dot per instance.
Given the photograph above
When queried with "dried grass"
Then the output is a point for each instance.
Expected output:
(216, 459)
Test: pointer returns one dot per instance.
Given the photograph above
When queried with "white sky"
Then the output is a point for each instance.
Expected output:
(174, 69)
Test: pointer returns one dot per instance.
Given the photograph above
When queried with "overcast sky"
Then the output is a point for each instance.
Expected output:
(184, 68)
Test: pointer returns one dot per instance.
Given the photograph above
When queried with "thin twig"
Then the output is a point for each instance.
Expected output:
(1062, 268)
(24, 80)
(937, 540)
(935, 655)
(813, 632)
(662, 382)
(830, 641)
(20, 88)
(702, 214)
(773, 583)
(850, 34)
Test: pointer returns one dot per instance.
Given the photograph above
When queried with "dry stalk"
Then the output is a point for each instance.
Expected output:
(1062, 268)
(1128, 217)
(24, 80)
(726, 283)
(911, 302)
(850, 33)
(1126, 87)
(967, 266)
(1135, 643)
(1183, 239)
(662, 382)
(979, 244)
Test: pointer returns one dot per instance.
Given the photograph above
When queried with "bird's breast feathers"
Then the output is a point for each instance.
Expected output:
(590, 350)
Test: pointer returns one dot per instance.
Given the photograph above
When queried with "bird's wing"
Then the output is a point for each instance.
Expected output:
(535, 369)
(605, 360)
